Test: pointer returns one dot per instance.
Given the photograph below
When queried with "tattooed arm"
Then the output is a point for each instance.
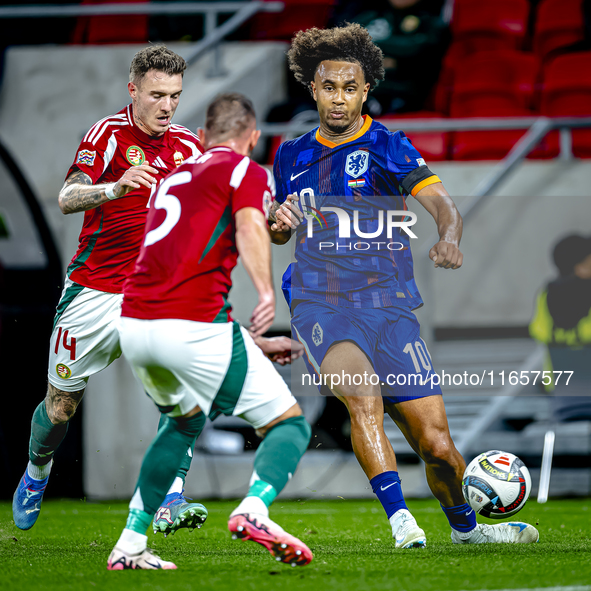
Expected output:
(283, 218)
(79, 194)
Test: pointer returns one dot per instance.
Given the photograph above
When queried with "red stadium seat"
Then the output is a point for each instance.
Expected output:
(274, 144)
(497, 80)
(483, 145)
(509, 75)
(491, 84)
(486, 145)
(98, 30)
(441, 94)
(480, 25)
(432, 145)
(559, 23)
(567, 93)
(296, 16)
(567, 85)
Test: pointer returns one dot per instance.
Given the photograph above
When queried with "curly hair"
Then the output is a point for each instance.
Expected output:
(155, 57)
(350, 43)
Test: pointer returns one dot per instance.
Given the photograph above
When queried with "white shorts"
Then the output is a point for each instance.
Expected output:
(183, 363)
(85, 339)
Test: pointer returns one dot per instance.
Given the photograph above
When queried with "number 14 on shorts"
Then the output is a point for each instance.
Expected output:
(62, 338)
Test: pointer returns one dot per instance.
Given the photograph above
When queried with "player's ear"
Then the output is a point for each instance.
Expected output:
(365, 91)
(201, 135)
(132, 88)
(254, 138)
(313, 87)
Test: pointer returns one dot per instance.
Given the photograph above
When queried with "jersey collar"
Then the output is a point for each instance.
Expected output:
(368, 121)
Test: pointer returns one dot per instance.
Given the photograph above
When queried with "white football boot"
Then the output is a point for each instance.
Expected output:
(405, 530)
(120, 560)
(514, 532)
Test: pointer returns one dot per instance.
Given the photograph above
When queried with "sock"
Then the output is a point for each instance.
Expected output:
(131, 542)
(388, 490)
(186, 462)
(159, 467)
(252, 504)
(277, 457)
(461, 518)
(262, 490)
(138, 521)
(45, 436)
(39, 472)
(176, 487)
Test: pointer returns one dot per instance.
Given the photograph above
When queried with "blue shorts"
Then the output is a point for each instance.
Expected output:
(390, 337)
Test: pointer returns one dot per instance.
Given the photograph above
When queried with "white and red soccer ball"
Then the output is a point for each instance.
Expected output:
(496, 484)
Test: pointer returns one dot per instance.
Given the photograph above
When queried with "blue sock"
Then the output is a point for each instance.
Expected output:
(461, 518)
(387, 488)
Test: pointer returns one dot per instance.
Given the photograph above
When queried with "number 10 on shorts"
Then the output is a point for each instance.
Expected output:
(420, 353)
(68, 346)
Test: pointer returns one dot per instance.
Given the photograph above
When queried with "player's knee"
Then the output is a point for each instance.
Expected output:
(363, 390)
(62, 411)
(303, 427)
(189, 425)
(61, 406)
(298, 427)
(440, 451)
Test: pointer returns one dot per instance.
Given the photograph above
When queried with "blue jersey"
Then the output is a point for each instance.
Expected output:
(350, 193)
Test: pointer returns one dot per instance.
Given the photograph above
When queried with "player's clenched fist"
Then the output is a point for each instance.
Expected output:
(263, 315)
(287, 215)
(281, 350)
(133, 178)
(446, 255)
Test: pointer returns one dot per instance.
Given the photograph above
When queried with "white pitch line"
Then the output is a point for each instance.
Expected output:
(575, 588)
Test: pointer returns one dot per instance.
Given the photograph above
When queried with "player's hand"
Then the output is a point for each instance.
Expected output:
(446, 255)
(281, 350)
(287, 214)
(263, 315)
(134, 178)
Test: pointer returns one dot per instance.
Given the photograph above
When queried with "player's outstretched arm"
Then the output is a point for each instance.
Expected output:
(436, 200)
(79, 194)
(254, 248)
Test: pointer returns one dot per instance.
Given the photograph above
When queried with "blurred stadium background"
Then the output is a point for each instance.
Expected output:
(496, 95)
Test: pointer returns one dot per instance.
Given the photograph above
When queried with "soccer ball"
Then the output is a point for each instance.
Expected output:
(496, 484)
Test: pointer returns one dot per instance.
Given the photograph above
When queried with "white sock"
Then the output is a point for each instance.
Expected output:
(39, 472)
(252, 505)
(131, 542)
(177, 486)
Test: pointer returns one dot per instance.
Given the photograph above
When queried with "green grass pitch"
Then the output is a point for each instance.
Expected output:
(351, 540)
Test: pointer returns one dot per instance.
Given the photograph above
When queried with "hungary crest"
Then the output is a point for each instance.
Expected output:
(178, 159)
(63, 371)
(135, 155)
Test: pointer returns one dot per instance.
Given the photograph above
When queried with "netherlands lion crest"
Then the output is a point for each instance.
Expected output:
(317, 334)
(357, 163)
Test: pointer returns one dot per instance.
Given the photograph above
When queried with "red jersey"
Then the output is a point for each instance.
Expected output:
(112, 234)
(189, 251)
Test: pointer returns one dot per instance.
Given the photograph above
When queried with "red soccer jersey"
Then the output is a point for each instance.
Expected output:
(183, 270)
(112, 234)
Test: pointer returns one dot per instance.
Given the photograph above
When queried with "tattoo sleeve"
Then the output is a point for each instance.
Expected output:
(273, 211)
(79, 194)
